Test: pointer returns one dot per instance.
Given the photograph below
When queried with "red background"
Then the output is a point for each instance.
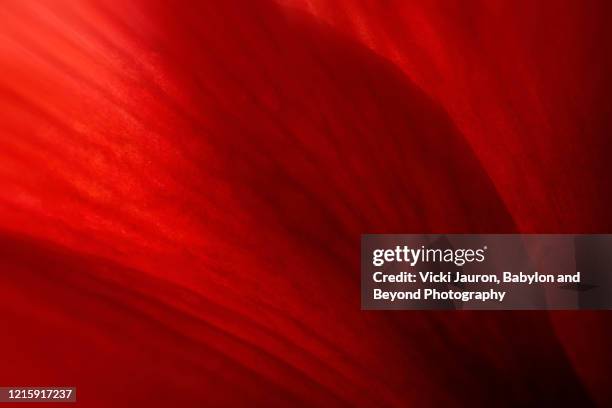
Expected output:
(183, 188)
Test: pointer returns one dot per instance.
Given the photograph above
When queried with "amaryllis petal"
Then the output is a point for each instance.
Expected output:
(183, 188)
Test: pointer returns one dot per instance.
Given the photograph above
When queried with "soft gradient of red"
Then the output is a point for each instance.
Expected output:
(183, 188)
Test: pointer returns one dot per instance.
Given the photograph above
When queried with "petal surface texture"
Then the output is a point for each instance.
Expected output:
(183, 188)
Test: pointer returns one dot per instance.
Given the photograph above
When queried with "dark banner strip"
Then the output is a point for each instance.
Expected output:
(489, 272)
